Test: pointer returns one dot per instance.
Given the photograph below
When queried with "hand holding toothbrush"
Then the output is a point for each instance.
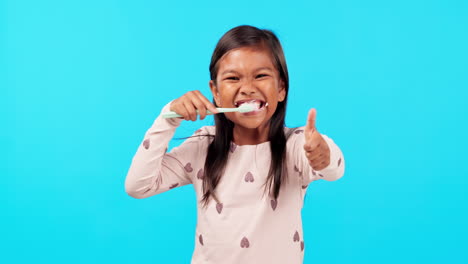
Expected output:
(316, 148)
(194, 103)
(191, 104)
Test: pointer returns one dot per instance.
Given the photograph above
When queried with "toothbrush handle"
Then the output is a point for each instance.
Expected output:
(172, 114)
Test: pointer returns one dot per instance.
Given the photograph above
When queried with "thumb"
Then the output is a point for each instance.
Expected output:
(311, 120)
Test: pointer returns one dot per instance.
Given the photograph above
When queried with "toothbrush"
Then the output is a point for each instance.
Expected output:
(244, 108)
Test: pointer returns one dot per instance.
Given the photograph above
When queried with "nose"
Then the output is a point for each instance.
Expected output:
(248, 88)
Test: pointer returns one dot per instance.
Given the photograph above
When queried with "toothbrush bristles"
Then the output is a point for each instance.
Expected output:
(244, 108)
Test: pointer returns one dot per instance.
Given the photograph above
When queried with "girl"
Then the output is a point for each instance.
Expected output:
(249, 171)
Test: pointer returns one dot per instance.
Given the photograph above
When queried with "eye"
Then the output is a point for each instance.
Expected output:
(232, 78)
(262, 75)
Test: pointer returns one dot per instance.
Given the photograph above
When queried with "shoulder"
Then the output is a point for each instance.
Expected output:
(294, 133)
(294, 139)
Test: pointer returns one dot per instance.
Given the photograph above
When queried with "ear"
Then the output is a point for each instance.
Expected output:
(282, 92)
(214, 91)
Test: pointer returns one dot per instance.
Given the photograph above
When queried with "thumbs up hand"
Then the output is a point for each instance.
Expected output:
(316, 148)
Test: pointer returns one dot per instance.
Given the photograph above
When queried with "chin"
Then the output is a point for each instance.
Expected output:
(249, 123)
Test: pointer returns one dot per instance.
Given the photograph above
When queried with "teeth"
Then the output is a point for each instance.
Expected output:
(257, 104)
(254, 104)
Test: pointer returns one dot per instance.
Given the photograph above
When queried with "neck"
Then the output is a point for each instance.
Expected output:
(250, 136)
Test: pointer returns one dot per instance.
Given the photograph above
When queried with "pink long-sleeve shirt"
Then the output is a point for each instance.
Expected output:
(246, 226)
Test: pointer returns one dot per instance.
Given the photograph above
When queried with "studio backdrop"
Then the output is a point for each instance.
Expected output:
(82, 81)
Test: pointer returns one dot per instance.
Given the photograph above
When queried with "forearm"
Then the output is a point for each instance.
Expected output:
(146, 168)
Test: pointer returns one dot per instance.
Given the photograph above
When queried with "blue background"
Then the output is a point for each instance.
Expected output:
(82, 81)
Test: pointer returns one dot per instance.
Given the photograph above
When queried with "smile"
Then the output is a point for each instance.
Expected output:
(258, 104)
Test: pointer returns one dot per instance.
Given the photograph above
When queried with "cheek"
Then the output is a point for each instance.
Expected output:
(226, 96)
(273, 91)
(272, 107)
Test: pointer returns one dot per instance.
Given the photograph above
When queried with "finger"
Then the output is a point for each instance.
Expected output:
(317, 167)
(179, 109)
(311, 146)
(314, 166)
(200, 106)
(318, 164)
(184, 112)
(209, 105)
(308, 155)
(194, 100)
(314, 155)
(173, 105)
(178, 106)
(311, 120)
(320, 159)
(192, 113)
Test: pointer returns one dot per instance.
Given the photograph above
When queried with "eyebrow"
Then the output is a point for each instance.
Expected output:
(229, 71)
(256, 70)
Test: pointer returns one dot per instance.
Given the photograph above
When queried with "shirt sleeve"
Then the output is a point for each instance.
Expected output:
(332, 172)
(154, 171)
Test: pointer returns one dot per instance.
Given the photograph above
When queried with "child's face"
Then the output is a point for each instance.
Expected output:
(244, 74)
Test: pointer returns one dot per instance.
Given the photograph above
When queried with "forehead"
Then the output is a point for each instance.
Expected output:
(246, 58)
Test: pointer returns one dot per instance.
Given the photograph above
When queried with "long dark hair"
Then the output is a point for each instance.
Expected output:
(218, 150)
